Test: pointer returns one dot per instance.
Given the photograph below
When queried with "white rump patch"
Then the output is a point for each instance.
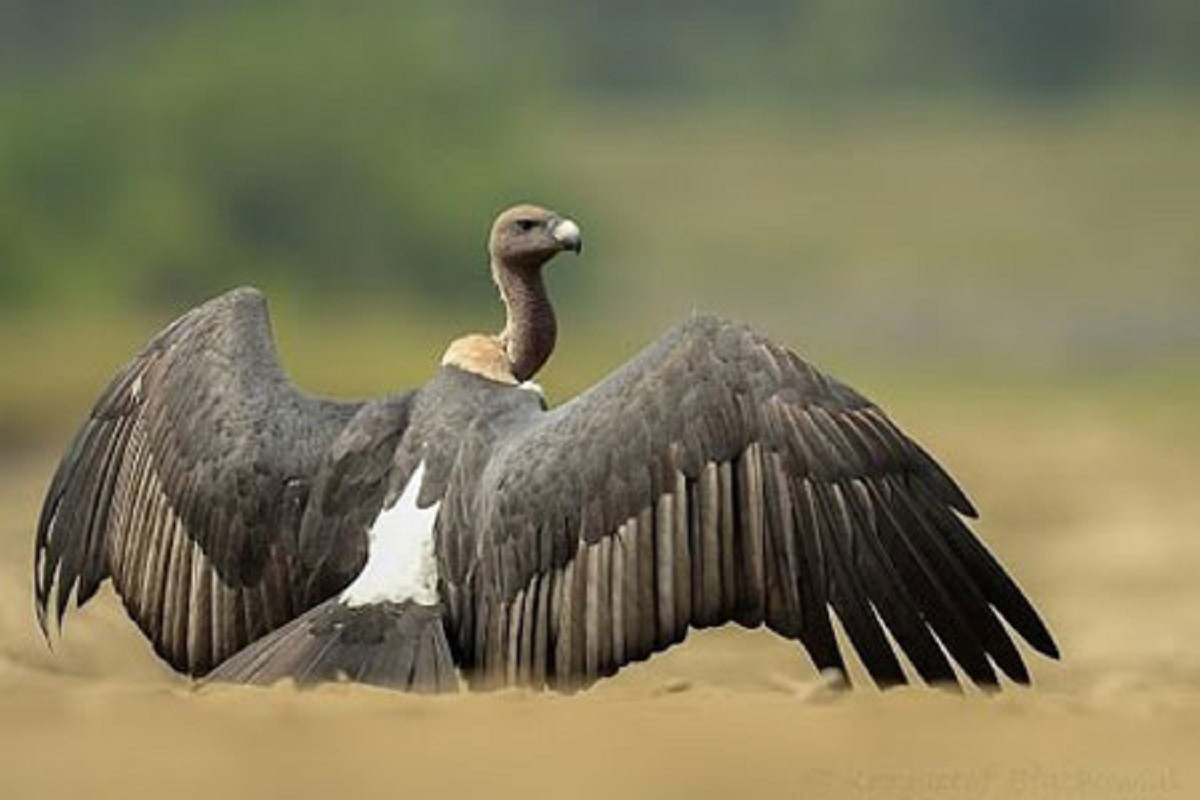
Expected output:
(536, 388)
(401, 563)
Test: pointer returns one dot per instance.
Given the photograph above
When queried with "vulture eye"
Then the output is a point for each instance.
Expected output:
(525, 225)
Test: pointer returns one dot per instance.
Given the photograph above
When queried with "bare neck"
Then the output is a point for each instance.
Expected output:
(530, 330)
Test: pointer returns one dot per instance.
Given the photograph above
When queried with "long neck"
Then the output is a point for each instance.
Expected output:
(530, 331)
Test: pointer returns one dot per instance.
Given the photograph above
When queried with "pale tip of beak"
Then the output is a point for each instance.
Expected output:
(566, 233)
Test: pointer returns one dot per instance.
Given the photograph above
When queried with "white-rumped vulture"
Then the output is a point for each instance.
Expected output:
(467, 533)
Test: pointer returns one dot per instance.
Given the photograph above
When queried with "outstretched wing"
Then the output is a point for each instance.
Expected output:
(719, 477)
(186, 485)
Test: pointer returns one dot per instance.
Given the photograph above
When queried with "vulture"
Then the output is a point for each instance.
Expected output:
(467, 535)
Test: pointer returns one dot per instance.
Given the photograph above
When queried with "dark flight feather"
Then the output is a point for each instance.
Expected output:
(775, 495)
(183, 486)
(714, 478)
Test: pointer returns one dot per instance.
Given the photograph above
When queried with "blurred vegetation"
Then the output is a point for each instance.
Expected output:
(803, 51)
(322, 146)
(981, 189)
(158, 152)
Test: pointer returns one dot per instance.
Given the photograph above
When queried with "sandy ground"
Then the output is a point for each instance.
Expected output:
(1094, 512)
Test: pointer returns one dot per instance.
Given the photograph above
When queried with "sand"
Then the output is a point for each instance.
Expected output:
(1094, 513)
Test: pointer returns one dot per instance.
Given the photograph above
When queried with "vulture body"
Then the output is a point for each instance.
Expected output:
(465, 532)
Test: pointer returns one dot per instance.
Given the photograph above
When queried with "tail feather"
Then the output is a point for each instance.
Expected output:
(395, 645)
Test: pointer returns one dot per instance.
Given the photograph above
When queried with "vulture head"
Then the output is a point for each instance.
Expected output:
(522, 240)
(527, 236)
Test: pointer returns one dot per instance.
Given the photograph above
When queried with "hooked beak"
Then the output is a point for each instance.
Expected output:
(566, 233)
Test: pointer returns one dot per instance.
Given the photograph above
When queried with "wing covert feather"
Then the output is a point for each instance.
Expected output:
(183, 485)
(743, 484)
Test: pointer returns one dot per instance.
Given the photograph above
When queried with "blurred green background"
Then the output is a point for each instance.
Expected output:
(965, 197)
(983, 215)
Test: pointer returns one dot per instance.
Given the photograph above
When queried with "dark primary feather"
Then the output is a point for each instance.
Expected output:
(186, 485)
(717, 477)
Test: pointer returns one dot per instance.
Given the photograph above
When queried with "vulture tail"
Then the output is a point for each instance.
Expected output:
(395, 645)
